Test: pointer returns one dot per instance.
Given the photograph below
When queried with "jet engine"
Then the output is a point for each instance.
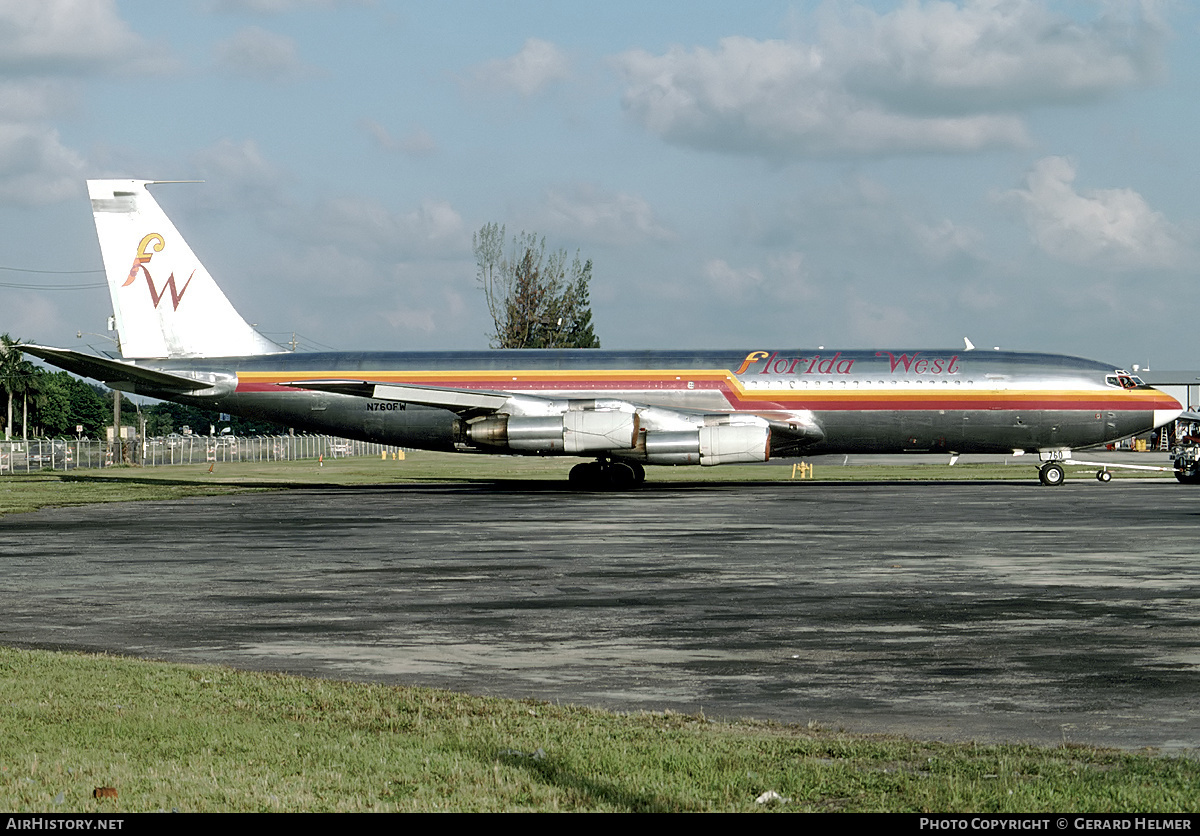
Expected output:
(575, 431)
(712, 445)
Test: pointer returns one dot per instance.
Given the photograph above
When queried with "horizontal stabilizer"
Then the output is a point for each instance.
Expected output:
(128, 377)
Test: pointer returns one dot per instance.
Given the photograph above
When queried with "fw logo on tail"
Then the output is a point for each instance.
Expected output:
(142, 259)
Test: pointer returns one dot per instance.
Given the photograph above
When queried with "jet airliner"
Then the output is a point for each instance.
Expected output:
(180, 339)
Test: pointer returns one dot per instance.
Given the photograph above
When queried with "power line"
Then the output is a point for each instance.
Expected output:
(297, 340)
(23, 286)
(52, 286)
(54, 272)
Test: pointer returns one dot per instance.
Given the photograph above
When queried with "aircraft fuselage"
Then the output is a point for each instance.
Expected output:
(873, 401)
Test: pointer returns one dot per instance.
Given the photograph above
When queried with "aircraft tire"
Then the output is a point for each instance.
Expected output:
(1052, 474)
(1104, 476)
(585, 475)
(1187, 477)
(621, 475)
(606, 475)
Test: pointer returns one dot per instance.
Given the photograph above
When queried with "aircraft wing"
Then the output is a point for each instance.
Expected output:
(462, 401)
(790, 430)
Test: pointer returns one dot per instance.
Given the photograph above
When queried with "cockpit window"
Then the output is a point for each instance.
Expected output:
(1125, 380)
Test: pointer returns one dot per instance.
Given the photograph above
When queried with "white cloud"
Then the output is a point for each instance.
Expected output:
(242, 161)
(785, 279)
(47, 49)
(1109, 229)
(790, 276)
(259, 54)
(35, 167)
(732, 282)
(238, 174)
(930, 76)
(945, 240)
(35, 99)
(364, 225)
(350, 299)
(416, 143)
(875, 323)
(590, 213)
(65, 37)
(538, 65)
(860, 219)
(987, 54)
(276, 7)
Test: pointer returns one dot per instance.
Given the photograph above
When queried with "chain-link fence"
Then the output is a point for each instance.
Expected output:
(63, 454)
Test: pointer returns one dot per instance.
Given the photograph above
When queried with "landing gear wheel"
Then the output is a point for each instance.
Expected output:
(1104, 476)
(1052, 473)
(602, 475)
(620, 475)
(639, 472)
(585, 475)
(1188, 477)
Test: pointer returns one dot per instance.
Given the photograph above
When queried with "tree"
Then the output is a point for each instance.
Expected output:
(11, 376)
(66, 402)
(31, 389)
(536, 299)
(167, 417)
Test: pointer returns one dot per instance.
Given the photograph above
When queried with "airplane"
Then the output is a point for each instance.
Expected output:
(180, 339)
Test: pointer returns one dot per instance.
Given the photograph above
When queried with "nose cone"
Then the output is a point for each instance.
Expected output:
(1166, 409)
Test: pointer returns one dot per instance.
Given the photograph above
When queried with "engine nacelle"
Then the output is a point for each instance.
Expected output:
(572, 432)
(708, 446)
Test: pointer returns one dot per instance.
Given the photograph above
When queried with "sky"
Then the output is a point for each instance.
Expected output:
(743, 176)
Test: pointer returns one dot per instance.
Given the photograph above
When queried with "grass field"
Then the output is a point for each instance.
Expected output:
(188, 738)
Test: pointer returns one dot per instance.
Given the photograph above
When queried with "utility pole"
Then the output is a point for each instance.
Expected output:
(116, 427)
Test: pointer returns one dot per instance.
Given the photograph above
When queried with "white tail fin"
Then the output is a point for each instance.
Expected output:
(166, 303)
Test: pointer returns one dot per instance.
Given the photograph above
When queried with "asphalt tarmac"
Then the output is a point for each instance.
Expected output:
(1000, 611)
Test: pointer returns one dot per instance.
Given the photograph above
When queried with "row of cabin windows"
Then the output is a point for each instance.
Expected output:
(846, 384)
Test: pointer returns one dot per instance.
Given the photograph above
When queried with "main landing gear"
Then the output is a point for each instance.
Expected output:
(605, 474)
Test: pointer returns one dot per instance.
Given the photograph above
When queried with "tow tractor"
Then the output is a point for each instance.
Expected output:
(1185, 454)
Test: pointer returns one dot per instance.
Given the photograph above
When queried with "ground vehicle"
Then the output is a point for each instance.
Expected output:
(1185, 454)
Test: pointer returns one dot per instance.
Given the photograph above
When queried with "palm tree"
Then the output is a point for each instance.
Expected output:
(31, 387)
(11, 376)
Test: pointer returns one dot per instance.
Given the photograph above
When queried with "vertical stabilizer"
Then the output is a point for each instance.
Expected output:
(166, 303)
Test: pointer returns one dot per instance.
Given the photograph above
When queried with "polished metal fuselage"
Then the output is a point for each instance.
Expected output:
(873, 401)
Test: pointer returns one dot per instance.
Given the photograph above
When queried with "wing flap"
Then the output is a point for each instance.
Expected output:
(455, 400)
